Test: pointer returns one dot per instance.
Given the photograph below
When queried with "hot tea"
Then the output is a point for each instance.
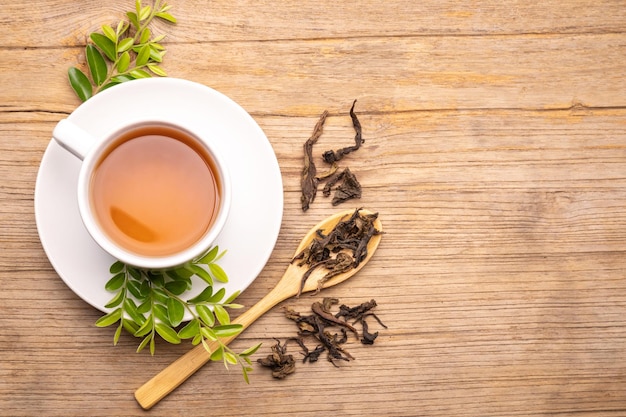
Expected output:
(155, 192)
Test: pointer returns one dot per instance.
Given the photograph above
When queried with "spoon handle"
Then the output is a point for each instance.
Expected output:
(182, 368)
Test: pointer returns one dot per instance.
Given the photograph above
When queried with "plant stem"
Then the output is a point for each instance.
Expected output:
(155, 9)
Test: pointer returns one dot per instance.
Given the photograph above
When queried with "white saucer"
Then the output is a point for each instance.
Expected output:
(257, 199)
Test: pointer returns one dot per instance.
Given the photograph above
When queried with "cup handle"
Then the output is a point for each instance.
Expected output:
(73, 138)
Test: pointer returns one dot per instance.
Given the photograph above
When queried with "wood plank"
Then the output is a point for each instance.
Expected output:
(413, 73)
(68, 23)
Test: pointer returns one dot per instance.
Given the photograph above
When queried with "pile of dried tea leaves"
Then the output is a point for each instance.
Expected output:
(329, 330)
(349, 186)
(342, 249)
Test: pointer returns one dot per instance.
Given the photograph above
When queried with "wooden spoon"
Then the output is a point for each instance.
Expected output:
(178, 371)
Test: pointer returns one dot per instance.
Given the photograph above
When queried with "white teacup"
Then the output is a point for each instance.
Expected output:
(152, 194)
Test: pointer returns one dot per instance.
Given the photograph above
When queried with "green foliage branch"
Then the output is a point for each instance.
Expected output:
(150, 304)
(127, 52)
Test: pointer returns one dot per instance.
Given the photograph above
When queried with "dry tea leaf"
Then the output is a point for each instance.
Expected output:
(309, 178)
(331, 156)
(348, 189)
(329, 332)
(279, 361)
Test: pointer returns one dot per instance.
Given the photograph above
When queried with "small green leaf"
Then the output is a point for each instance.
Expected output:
(134, 288)
(144, 343)
(202, 273)
(144, 289)
(204, 296)
(110, 318)
(80, 83)
(134, 20)
(132, 310)
(218, 354)
(230, 358)
(155, 55)
(124, 45)
(245, 371)
(157, 278)
(145, 306)
(116, 336)
(116, 282)
(210, 256)
(157, 47)
(218, 273)
(116, 267)
(145, 35)
(208, 334)
(97, 65)
(105, 44)
(251, 350)
(190, 330)
(197, 339)
(175, 311)
(182, 273)
(220, 256)
(166, 16)
(160, 312)
(137, 6)
(228, 330)
(204, 344)
(130, 326)
(116, 300)
(232, 297)
(121, 28)
(217, 297)
(143, 56)
(107, 86)
(206, 315)
(145, 328)
(177, 287)
(175, 277)
(134, 272)
(123, 62)
(167, 333)
(109, 33)
(144, 13)
(139, 73)
(122, 78)
(152, 346)
(221, 314)
(159, 295)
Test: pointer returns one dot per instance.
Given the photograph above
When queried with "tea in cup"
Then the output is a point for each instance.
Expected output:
(152, 194)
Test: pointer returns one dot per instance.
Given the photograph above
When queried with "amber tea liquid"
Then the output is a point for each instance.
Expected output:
(155, 193)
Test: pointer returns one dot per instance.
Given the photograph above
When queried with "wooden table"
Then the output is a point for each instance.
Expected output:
(495, 154)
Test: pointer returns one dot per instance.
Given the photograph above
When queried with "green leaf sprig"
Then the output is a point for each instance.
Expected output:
(149, 304)
(125, 53)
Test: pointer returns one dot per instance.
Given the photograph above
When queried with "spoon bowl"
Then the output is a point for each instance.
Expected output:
(290, 285)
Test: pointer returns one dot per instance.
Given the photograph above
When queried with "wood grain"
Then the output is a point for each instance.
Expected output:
(495, 152)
